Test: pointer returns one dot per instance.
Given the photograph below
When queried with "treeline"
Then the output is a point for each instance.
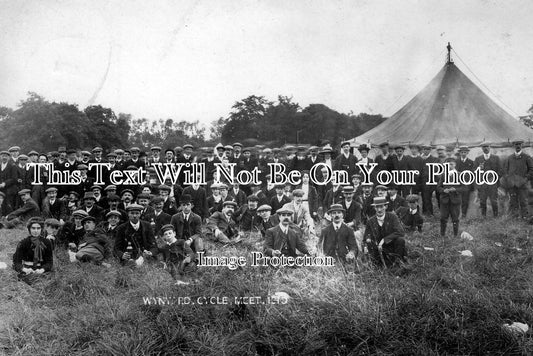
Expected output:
(44, 126)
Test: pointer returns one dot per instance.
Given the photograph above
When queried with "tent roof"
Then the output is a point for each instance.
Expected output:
(451, 109)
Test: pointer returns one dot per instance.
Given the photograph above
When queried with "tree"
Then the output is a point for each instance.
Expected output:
(106, 131)
(243, 121)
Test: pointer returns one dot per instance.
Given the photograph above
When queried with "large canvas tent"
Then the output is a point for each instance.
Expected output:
(451, 110)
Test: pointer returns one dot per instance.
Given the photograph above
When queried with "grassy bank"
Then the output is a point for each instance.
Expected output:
(445, 304)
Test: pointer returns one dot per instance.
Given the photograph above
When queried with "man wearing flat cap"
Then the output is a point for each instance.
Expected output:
(282, 239)
(54, 207)
(401, 162)
(384, 236)
(97, 158)
(301, 215)
(155, 156)
(28, 210)
(90, 207)
(267, 219)
(246, 216)
(465, 164)
(410, 215)
(222, 226)
(384, 158)
(346, 161)
(177, 255)
(14, 153)
(450, 200)
(185, 157)
(135, 238)
(8, 179)
(517, 170)
(488, 161)
(337, 239)
(135, 159)
(94, 246)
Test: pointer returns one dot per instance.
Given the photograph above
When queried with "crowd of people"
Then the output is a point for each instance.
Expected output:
(170, 223)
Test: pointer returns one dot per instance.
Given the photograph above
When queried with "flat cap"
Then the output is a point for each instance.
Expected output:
(113, 213)
(24, 191)
(163, 187)
(33, 153)
(298, 193)
(82, 167)
(110, 187)
(89, 195)
(155, 148)
(51, 189)
(97, 149)
(264, 207)
(167, 227)
(134, 207)
(126, 191)
(88, 218)
(412, 198)
(336, 207)
(52, 222)
(252, 197)
(283, 210)
(188, 145)
(229, 202)
(14, 148)
(80, 213)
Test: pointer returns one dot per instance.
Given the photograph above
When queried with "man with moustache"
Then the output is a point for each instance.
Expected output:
(283, 240)
(222, 225)
(517, 170)
(337, 239)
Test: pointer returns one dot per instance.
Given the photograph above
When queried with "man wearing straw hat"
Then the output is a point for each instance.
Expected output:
(384, 236)
(337, 239)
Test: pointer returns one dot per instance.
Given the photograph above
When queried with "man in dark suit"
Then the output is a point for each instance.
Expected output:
(280, 199)
(517, 170)
(184, 158)
(488, 161)
(158, 217)
(313, 157)
(90, 207)
(395, 201)
(283, 240)
(188, 225)
(53, 207)
(222, 225)
(384, 159)
(351, 208)
(450, 200)
(337, 239)
(384, 236)
(156, 156)
(267, 221)
(465, 164)
(198, 199)
(135, 238)
(8, 179)
(401, 162)
(346, 161)
(135, 160)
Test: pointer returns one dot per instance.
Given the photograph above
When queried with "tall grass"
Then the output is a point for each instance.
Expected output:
(443, 304)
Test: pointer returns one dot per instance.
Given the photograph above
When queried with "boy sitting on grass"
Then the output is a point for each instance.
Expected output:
(177, 255)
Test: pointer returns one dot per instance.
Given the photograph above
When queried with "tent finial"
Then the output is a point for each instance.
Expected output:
(449, 58)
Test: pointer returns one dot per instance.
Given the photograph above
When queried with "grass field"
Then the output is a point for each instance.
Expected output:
(447, 304)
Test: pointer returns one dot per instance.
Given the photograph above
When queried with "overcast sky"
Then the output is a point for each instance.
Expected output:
(191, 60)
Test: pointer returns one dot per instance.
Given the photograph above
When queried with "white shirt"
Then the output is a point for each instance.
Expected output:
(486, 156)
(336, 227)
(135, 226)
(412, 211)
(284, 229)
(381, 220)
(4, 165)
(186, 216)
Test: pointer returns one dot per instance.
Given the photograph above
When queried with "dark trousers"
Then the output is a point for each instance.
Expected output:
(465, 200)
(518, 201)
(488, 192)
(393, 252)
(450, 210)
(427, 203)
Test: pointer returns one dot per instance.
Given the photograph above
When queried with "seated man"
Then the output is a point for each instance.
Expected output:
(24, 213)
(246, 216)
(34, 254)
(110, 226)
(188, 225)
(384, 235)
(301, 216)
(281, 239)
(94, 246)
(410, 216)
(72, 231)
(267, 220)
(222, 225)
(177, 254)
(135, 238)
(337, 239)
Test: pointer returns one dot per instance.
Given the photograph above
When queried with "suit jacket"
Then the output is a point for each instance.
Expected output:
(218, 221)
(276, 204)
(24, 252)
(338, 243)
(391, 229)
(332, 197)
(9, 176)
(492, 164)
(517, 170)
(247, 219)
(199, 200)
(140, 240)
(288, 243)
(384, 164)
(28, 210)
(410, 222)
(272, 221)
(195, 225)
(57, 211)
(399, 201)
(453, 197)
(96, 211)
(467, 165)
(346, 164)
(239, 198)
(353, 213)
